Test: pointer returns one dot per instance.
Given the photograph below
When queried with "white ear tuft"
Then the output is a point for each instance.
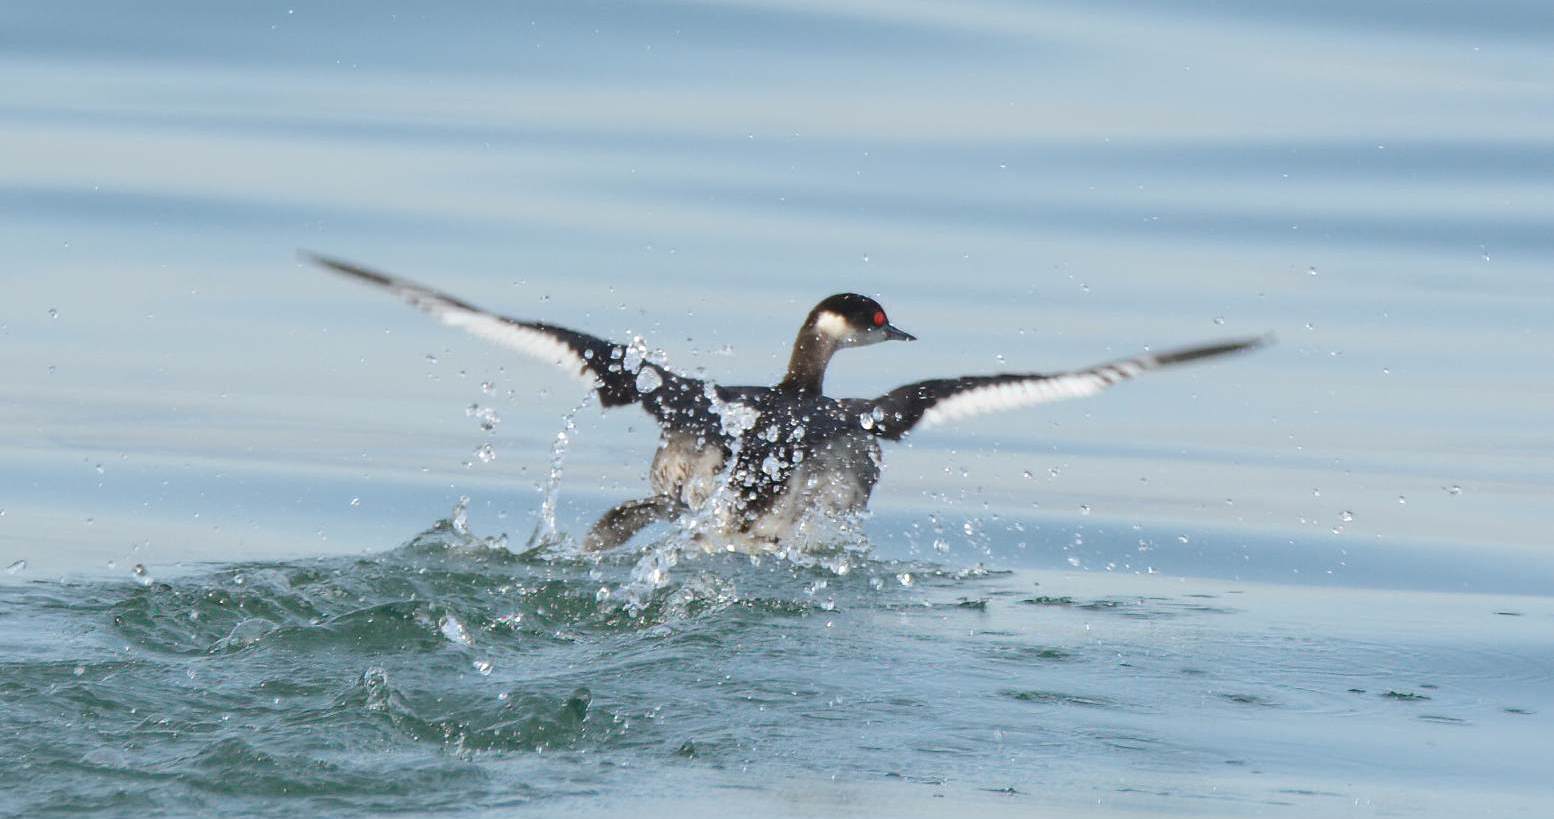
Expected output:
(832, 324)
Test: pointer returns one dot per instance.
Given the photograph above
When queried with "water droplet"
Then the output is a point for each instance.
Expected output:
(485, 416)
(1084, 509)
(772, 467)
(735, 418)
(355, 502)
(905, 578)
(648, 380)
(1453, 489)
(1220, 320)
(487, 387)
(99, 469)
(53, 314)
(458, 519)
(602, 594)
(431, 359)
(483, 666)
(1316, 493)
(1402, 500)
(1311, 271)
(1182, 539)
(865, 420)
(485, 453)
(78, 670)
(1346, 516)
(16, 568)
(139, 571)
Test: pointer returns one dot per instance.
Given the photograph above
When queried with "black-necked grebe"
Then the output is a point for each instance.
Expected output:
(795, 450)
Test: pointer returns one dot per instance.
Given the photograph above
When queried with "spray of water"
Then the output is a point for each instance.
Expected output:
(707, 527)
(701, 526)
(545, 533)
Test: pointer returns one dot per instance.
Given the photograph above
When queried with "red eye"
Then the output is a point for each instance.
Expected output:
(879, 318)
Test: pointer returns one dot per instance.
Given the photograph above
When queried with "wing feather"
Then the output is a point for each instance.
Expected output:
(674, 399)
(943, 400)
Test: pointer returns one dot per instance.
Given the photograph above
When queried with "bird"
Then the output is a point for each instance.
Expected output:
(787, 450)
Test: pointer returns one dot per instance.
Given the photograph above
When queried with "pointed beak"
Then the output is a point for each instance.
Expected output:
(894, 333)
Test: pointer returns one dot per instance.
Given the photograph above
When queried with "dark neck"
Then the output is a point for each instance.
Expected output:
(807, 367)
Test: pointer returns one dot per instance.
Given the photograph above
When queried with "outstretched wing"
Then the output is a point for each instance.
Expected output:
(927, 403)
(611, 369)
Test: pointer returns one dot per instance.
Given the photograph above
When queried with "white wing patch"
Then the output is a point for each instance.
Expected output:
(532, 341)
(1024, 392)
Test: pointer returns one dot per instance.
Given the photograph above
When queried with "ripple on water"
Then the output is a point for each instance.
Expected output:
(1060, 698)
(1249, 699)
(512, 720)
(1020, 653)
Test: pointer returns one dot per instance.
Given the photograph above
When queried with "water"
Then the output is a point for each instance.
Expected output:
(196, 423)
(446, 675)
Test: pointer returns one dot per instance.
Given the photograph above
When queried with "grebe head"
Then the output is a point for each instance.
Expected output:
(851, 320)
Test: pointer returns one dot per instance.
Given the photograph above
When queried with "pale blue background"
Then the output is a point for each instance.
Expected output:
(1024, 185)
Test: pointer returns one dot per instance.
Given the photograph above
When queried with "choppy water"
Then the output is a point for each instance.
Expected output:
(446, 675)
(1038, 185)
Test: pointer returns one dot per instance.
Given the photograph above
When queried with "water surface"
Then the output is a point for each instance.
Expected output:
(1024, 186)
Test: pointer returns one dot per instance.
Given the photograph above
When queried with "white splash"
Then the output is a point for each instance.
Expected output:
(454, 630)
(545, 531)
(700, 527)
